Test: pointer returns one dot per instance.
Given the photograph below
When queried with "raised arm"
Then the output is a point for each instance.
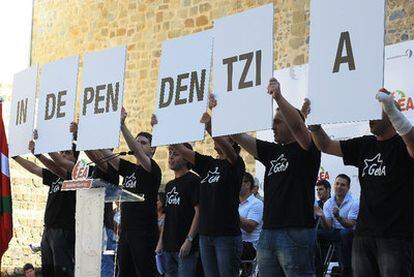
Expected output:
(186, 153)
(324, 143)
(97, 157)
(292, 116)
(247, 142)
(400, 123)
(51, 165)
(134, 145)
(222, 142)
(29, 166)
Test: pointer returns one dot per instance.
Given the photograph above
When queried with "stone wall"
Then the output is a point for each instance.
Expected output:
(65, 28)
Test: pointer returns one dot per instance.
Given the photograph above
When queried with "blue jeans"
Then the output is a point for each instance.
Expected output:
(108, 266)
(286, 252)
(382, 257)
(221, 255)
(179, 267)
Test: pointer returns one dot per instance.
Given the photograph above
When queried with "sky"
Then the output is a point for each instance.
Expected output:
(15, 37)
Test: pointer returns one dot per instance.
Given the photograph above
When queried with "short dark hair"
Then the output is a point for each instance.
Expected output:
(145, 135)
(250, 179)
(148, 136)
(324, 183)
(300, 113)
(28, 266)
(346, 177)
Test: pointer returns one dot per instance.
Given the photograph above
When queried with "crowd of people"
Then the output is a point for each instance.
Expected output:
(210, 219)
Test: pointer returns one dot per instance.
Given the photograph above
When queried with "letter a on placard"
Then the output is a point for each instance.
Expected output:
(349, 58)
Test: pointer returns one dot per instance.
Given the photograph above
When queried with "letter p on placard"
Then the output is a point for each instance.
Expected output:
(101, 99)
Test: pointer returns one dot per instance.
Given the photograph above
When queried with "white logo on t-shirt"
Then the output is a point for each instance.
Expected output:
(374, 167)
(281, 164)
(172, 197)
(131, 181)
(55, 187)
(212, 176)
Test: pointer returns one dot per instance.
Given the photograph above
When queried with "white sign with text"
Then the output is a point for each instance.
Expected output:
(101, 99)
(22, 111)
(242, 67)
(57, 103)
(183, 89)
(346, 59)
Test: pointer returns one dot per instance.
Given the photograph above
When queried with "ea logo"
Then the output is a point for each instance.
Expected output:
(80, 170)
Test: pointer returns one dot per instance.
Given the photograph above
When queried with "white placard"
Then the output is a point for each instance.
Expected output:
(101, 99)
(346, 60)
(399, 68)
(22, 111)
(293, 84)
(183, 89)
(242, 67)
(57, 100)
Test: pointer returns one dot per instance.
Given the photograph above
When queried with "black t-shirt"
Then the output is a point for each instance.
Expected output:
(386, 176)
(219, 195)
(289, 184)
(140, 215)
(110, 176)
(181, 195)
(61, 205)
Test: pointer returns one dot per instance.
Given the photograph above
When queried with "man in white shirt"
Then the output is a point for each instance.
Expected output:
(251, 219)
(339, 217)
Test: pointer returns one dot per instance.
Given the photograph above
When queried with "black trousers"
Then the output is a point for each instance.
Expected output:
(136, 253)
(382, 257)
(58, 252)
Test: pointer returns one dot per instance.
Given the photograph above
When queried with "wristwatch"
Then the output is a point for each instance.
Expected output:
(189, 238)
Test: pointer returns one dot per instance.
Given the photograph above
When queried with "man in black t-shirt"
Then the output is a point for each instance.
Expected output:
(383, 245)
(287, 242)
(58, 239)
(221, 178)
(139, 230)
(178, 240)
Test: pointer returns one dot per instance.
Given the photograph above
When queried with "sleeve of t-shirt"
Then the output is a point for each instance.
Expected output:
(353, 213)
(263, 150)
(240, 169)
(256, 212)
(351, 150)
(48, 177)
(201, 162)
(155, 171)
(125, 167)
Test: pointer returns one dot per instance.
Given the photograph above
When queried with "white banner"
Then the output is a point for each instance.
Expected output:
(101, 99)
(346, 59)
(242, 67)
(57, 100)
(183, 86)
(399, 68)
(22, 111)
